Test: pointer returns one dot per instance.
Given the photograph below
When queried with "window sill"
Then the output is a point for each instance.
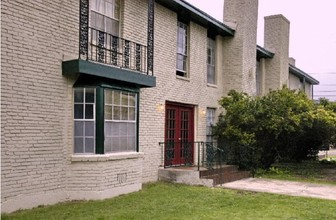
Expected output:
(183, 78)
(106, 157)
(212, 85)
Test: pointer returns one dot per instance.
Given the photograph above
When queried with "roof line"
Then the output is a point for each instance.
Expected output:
(263, 53)
(197, 15)
(296, 71)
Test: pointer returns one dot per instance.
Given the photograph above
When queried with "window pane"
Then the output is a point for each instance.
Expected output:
(107, 145)
(107, 129)
(132, 100)
(79, 94)
(79, 145)
(116, 9)
(89, 145)
(123, 144)
(108, 112)
(131, 144)
(116, 113)
(79, 128)
(131, 129)
(123, 129)
(90, 95)
(211, 74)
(109, 9)
(116, 97)
(115, 28)
(88, 111)
(124, 98)
(97, 21)
(124, 113)
(180, 62)
(115, 129)
(115, 145)
(89, 129)
(78, 111)
(100, 6)
(131, 112)
(108, 96)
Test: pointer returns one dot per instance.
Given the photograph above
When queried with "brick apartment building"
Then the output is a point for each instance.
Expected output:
(89, 88)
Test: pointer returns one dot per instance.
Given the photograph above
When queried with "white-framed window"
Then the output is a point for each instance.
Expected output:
(84, 120)
(211, 61)
(182, 49)
(105, 15)
(210, 120)
(120, 121)
(113, 128)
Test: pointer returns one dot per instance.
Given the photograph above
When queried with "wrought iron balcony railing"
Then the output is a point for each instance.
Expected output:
(108, 49)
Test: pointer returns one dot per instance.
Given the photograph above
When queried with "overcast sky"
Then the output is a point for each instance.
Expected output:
(312, 35)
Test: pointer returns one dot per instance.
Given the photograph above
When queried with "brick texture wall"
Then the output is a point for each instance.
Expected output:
(277, 41)
(35, 35)
(239, 64)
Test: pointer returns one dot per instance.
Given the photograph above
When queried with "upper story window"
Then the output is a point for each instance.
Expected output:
(211, 61)
(105, 15)
(182, 49)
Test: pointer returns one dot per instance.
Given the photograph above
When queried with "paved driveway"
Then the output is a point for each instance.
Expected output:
(329, 153)
(284, 187)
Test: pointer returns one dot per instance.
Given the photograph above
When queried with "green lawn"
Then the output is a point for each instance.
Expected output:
(175, 201)
(307, 171)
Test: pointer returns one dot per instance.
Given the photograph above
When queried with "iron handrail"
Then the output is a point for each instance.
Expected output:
(206, 154)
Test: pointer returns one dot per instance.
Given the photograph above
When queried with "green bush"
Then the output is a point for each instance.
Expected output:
(282, 126)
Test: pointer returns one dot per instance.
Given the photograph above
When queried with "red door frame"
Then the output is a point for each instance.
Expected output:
(179, 134)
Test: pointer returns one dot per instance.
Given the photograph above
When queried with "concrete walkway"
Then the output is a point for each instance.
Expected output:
(284, 187)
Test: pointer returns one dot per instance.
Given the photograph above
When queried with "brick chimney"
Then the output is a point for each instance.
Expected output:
(291, 61)
(239, 53)
(276, 40)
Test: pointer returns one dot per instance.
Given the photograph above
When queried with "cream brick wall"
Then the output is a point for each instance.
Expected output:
(276, 37)
(34, 38)
(193, 91)
(239, 63)
(295, 83)
(37, 106)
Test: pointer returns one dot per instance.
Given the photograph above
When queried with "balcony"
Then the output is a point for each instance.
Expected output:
(111, 59)
(111, 50)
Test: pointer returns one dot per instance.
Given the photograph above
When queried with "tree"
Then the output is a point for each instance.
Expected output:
(283, 125)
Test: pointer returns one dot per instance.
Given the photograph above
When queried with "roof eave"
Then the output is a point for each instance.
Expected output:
(299, 73)
(197, 16)
(263, 53)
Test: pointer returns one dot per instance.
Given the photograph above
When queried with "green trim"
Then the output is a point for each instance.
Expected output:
(263, 53)
(137, 122)
(116, 74)
(100, 120)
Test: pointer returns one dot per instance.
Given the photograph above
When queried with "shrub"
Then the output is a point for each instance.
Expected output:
(281, 126)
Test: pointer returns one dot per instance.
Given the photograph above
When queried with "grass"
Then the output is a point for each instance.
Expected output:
(307, 171)
(175, 201)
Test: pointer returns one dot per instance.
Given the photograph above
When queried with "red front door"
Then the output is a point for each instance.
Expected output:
(179, 134)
